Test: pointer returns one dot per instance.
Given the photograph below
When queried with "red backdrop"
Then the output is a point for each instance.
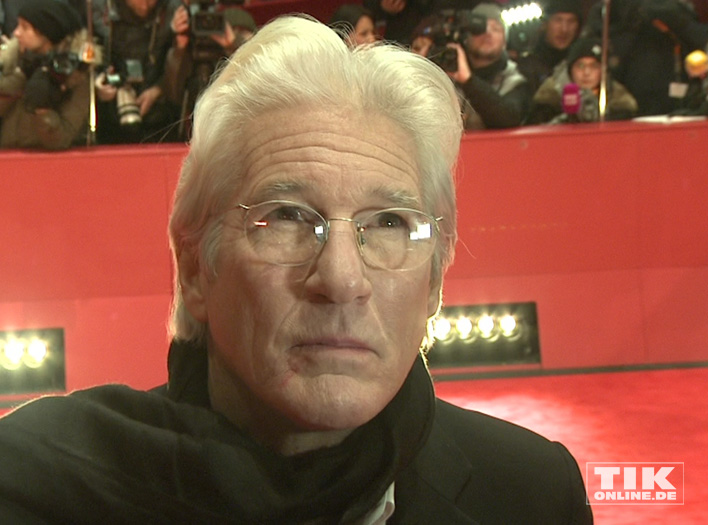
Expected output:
(604, 227)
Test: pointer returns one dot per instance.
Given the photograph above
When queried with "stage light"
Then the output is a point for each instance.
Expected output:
(507, 324)
(485, 326)
(521, 14)
(32, 361)
(464, 327)
(485, 334)
(442, 329)
(12, 352)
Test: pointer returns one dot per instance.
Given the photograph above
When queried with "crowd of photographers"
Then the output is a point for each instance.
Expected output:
(138, 79)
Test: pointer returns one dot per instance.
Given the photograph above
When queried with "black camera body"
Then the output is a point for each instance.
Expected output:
(130, 72)
(453, 27)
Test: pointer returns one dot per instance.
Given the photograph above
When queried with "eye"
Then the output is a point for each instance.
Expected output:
(388, 220)
(289, 213)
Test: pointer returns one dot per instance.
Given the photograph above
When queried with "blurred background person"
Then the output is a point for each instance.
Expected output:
(357, 22)
(196, 54)
(136, 35)
(650, 39)
(400, 17)
(44, 86)
(572, 93)
(560, 27)
(488, 78)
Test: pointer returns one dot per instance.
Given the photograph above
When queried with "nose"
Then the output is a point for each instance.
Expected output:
(338, 273)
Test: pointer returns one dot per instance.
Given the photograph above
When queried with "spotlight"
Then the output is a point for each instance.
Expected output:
(464, 327)
(485, 326)
(485, 334)
(521, 14)
(442, 328)
(32, 361)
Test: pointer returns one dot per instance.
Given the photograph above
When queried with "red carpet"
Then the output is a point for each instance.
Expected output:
(642, 416)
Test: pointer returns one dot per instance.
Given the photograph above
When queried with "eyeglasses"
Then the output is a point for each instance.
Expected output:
(291, 234)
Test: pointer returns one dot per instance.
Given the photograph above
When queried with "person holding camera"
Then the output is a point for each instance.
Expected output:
(488, 78)
(137, 36)
(203, 37)
(44, 87)
(649, 41)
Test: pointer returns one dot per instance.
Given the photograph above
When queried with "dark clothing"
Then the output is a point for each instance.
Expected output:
(115, 455)
(643, 56)
(538, 65)
(40, 109)
(499, 95)
(399, 27)
(547, 106)
(131, 41)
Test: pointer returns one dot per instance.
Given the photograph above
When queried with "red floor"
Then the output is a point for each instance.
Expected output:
(644, 416)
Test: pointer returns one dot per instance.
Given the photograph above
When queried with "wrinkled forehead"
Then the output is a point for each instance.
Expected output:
(327, 151)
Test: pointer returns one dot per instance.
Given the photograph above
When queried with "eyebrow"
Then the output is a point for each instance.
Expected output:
(290, 189)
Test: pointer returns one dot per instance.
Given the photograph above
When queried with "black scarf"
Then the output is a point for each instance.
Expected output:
(337, 484)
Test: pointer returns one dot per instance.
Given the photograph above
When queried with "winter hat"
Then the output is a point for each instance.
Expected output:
(584, 47)
(563, 6)
(490, 11)
(54, 19)
(237, 17)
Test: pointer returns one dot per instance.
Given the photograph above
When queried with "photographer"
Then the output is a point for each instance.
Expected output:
(202, 39)
(137, 36)
(489, 79)
(44, 89)
(650, 39)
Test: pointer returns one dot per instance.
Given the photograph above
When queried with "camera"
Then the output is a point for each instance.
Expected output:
(452, 27)
(125, 78)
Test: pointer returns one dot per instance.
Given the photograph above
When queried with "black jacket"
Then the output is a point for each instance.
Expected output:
(115, 455)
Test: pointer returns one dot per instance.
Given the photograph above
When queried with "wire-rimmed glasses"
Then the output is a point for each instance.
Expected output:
(288, 233)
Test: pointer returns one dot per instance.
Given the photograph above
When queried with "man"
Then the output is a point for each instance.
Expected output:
(488, 78)
(650, 39)
(193, 57)
(310, 257)
(559, 29)
(137, 36)
(44, 88)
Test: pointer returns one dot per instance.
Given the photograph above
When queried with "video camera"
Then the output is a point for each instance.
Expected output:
(452, 28)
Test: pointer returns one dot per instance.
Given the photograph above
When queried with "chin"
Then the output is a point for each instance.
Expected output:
(342, 406)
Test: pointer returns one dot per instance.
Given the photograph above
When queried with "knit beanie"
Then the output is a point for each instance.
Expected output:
(490, 11)
(584, 47)
(237, 17)
(54, 19)
(563, 6)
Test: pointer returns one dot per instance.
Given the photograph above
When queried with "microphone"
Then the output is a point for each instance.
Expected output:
(570, 101)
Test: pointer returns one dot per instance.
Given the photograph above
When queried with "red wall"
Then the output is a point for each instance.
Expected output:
(604, 227)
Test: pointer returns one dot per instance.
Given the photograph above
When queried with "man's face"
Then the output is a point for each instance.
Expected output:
(29, 38)
(561, 30)
(142, 8)
(586, 72)
(325, 345)
(490, 44)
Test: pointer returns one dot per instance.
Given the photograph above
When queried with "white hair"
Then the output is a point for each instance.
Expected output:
(295, 61)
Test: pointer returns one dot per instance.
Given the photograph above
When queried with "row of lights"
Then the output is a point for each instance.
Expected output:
(522, 14)
(489, 327)
(16, 352)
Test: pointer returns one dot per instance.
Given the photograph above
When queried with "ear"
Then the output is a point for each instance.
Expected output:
(193, 283)
(435, 296)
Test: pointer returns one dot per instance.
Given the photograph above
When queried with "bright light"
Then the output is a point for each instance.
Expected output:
(507, 324)
(464, 327)
(485, 325)
(36, 353)
(521, 14)
(442, 329)
(423, 231)
(12, 353)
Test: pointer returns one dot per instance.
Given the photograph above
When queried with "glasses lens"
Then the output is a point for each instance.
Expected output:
(284, 233)
(397, 239)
